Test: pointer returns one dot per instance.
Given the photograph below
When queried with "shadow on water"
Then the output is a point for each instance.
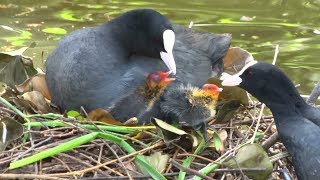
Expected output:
(255, 26)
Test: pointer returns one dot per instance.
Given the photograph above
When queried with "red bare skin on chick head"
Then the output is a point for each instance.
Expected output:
(212, 90)
(156, 83)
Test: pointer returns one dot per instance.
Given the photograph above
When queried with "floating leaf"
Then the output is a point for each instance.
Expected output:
(19, 40)
(68, 15)
(252, 156)
(55, 30)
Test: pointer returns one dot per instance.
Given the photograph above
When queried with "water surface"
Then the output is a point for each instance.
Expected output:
(255, 25)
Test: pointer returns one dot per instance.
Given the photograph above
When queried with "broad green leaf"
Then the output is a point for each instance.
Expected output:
(55, 30)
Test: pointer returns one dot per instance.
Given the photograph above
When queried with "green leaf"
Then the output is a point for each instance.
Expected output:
(69, 15)
(217, 142)
(57, 123)
(188, 160)
(55, 30)
(53, 151)
(251, 156)
(75, 114)
(19, 40)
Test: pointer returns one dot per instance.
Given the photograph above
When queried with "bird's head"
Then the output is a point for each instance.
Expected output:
(208, 90)
(159, 79)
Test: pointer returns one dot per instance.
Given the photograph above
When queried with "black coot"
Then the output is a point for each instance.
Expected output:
(93, 67)
(297, 122)
(77, 76)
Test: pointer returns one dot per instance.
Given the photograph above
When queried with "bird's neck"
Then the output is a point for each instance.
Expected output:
(283, 100)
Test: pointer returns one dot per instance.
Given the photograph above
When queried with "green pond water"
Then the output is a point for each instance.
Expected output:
(255, 25)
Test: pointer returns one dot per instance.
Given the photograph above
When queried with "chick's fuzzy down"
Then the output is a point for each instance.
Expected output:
(141, 100)
(190, 106)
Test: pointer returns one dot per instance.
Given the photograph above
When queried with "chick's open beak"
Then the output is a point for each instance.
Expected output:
(164, 76)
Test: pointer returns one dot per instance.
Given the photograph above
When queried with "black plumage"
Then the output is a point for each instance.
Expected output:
(86, 69)
(94, 67)
(297, 122)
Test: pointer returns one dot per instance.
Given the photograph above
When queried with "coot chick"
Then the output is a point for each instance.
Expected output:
(93, 67)
(141, 100)
(190, 106)
(296, 121)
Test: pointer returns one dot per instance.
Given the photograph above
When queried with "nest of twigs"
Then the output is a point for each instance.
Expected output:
(100, 158)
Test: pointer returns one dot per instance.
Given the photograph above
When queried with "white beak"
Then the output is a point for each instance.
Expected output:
(235, 80)
(167, 57)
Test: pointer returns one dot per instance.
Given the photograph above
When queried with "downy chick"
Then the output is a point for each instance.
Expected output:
(142, 99)
(190, 106)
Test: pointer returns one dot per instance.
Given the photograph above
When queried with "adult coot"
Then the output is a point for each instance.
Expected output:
(79, 72)
(93, 67)
(296, 121)
(143, 98)
(190, 106)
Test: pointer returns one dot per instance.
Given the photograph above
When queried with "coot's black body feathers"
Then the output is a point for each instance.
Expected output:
(91, 67)
(301, 138)
(199, 55)
(88, 69)
(297, 122)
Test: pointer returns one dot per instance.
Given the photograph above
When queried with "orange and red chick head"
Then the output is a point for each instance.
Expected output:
(159, 79)
(211, 90)
(155, 85)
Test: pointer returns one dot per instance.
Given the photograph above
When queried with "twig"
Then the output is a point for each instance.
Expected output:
(258, 124)
(270, 141)
(27, 176)
(276, 51)
(314, 94)
(32, 148)
(64, 164)
(173, 157)
(263, 105)
(82, 162)
(278, 156)
(120, 161)
(189, 170)
(109, 162)
(126, 177)
(200, 157)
